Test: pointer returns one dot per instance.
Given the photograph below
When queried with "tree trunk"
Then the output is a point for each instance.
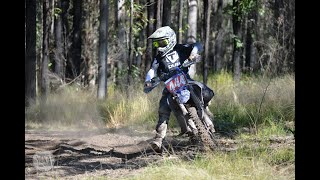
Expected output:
(218, 51)
(180, 21)
(142, 41)
(159, 7)
(89, 36)
(103, 49)
(278, 12)
(207, 9)
(150, 30)
(120, 15)
(255, 37)
(136, 61)
(236, 24)
(59, 59)
(248, 45)
(254, 60)
(30, 56)
(192, 31)
(119, 20)
(129, 80)
(243, 29)
(250, 38)
(141, 45)
(166, 14)
(76, 38)
(65, 4)
(290, 36)
(39, 20)
(236, 63)
(279, 58)
(47, 20)
(218, 48)
(192, 21)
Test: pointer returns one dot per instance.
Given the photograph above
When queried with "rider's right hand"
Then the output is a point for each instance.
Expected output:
(147, 87)
(148, 84)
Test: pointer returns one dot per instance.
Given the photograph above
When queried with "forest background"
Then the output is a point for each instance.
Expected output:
(85, 64)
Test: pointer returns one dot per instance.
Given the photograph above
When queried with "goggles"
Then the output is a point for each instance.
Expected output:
(160, 43)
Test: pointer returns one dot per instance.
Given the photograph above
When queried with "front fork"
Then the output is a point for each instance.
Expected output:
(200, 107)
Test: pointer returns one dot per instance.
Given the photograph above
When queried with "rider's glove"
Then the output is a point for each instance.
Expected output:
(149, 85)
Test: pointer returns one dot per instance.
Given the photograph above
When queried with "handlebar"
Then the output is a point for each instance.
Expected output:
(185, 64)
(156, 80)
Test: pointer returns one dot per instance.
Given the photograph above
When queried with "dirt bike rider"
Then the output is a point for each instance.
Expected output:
(170, 55)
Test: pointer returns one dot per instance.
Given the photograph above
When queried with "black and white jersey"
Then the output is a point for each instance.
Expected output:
(172, 59)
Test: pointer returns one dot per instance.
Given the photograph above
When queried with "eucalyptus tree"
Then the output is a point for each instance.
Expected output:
(192, 31)
(103, 49)
(207, 9)
(30, 52)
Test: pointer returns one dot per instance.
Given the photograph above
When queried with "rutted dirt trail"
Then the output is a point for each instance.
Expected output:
(113, 154)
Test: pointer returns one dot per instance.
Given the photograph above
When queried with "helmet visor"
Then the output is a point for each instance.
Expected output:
(160, 43)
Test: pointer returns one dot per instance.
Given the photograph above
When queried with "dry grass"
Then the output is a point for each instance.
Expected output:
(70, 107)
(261, 104)
(255, 102)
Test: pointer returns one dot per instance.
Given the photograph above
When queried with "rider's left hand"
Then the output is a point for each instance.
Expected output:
(194, 57)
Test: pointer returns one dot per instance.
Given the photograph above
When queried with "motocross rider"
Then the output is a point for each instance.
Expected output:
(169, 56)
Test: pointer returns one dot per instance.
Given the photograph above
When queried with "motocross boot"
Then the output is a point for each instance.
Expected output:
(157, 141)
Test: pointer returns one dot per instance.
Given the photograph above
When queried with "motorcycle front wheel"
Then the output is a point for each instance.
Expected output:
(203, 133)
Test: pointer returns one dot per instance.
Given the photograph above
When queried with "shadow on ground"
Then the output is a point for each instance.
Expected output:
(75, 156)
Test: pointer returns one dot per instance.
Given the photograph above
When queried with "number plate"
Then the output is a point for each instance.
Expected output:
(176, 82)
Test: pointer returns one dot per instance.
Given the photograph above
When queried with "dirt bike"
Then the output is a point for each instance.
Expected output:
(187, 94)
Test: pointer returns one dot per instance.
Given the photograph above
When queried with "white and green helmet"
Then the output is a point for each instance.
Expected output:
(164, 39)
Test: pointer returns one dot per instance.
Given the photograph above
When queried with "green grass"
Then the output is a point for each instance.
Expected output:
(253, 102)
(260, 163)
(255, 158)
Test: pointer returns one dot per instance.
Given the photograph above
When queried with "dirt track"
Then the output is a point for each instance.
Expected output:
(80, 154)
(114, 154)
